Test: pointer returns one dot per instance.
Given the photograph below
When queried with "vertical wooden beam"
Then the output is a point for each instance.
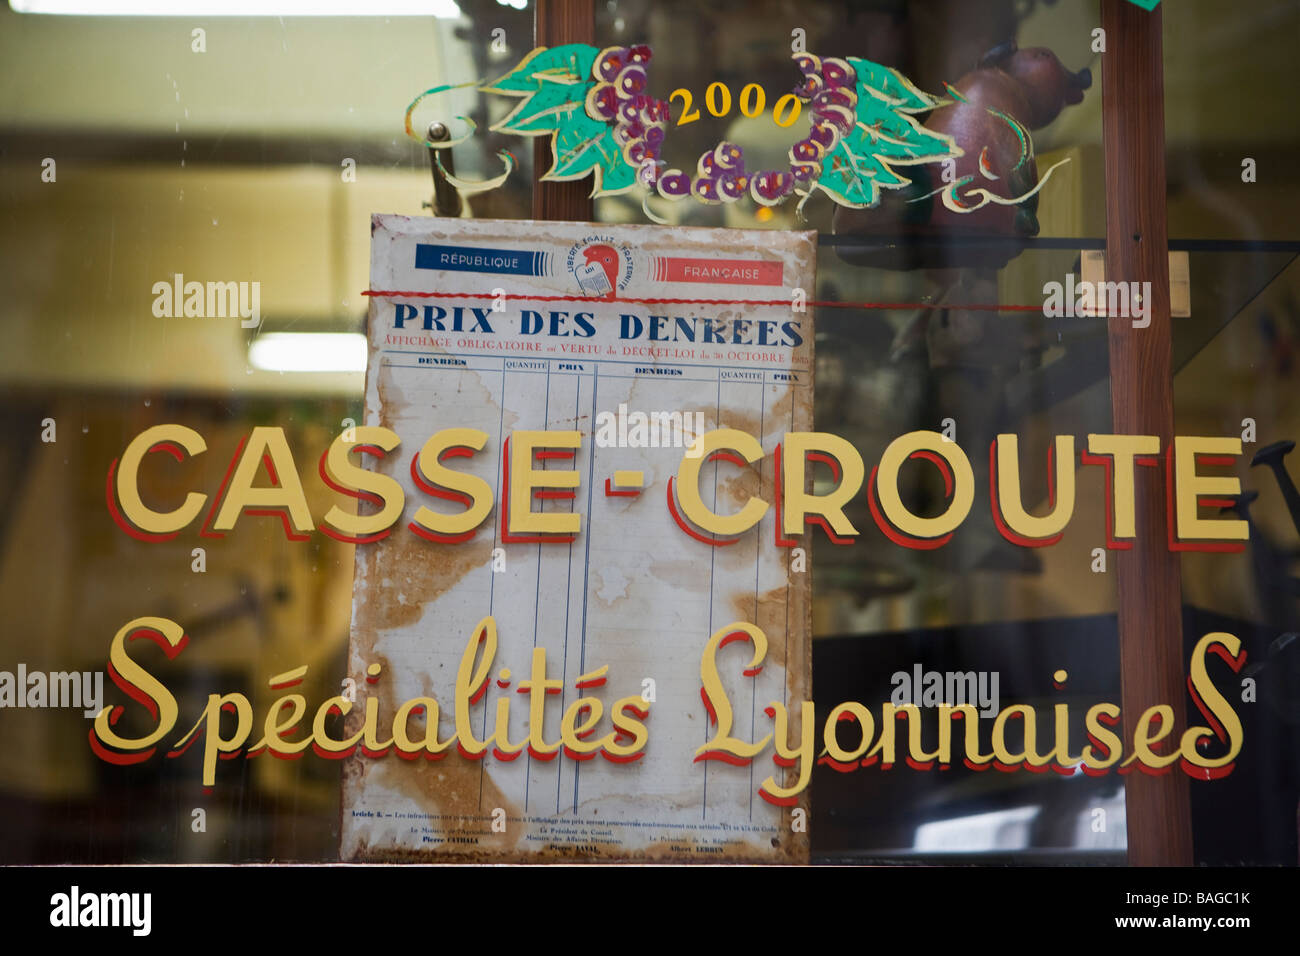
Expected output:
(557, 22)
(1141, 388)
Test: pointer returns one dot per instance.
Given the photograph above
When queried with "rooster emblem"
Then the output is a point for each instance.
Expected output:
(597, 276)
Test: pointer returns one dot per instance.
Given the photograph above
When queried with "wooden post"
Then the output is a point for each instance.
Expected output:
(1141, 388)
(557, 22)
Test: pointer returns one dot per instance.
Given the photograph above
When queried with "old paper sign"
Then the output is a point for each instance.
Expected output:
(561, 636)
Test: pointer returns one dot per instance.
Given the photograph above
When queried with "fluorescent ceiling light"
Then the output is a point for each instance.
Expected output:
(308, 352)
(443, 9)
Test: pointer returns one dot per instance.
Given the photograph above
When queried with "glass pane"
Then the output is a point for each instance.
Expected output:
(139, 154)
(934, 318)
(208, 149)
(1225, 77)
(1233, 198)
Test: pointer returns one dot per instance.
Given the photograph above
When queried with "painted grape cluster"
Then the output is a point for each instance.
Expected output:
(619, 98)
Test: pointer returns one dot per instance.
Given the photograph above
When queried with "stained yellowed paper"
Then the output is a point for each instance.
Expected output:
(633, 590)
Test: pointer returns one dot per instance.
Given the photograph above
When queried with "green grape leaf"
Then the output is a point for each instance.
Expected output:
(578, 147)
(570, 63)
(588, 146)
(888, 84)
(553, 106)
(615, 174)
(861, 164)
(906, 138)
(853, 176)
